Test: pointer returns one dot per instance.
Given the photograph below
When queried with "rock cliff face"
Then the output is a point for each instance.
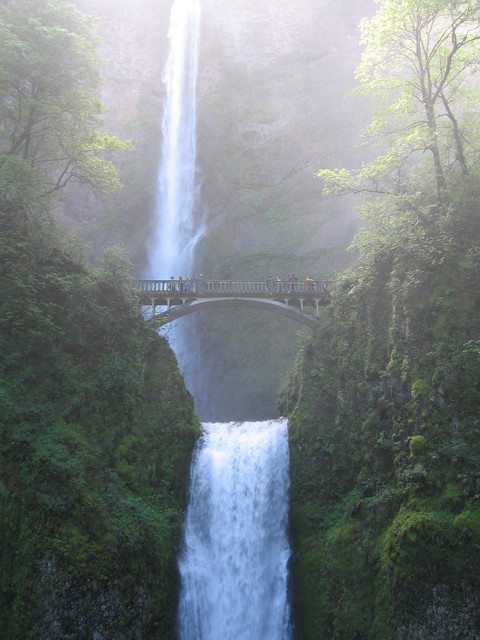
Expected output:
(274, 106)
(133, 46)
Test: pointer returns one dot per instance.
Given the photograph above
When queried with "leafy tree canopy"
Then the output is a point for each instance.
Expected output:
(417, 67)
(50, 123)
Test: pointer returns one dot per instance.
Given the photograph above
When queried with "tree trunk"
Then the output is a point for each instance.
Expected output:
(426, 93)
(456, 136)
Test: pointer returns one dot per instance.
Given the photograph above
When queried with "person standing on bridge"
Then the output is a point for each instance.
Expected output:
(201, 288)
(270, 285)
(279, 284)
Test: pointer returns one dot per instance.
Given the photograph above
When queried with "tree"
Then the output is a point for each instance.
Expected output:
(417, 67)
(50, 124)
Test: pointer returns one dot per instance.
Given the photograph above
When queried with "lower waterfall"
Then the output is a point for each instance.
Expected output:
(233, 566)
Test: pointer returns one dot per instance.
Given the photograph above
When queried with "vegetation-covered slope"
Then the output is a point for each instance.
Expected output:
(96, 426)
(385, 456)
(97, 431)
(384, 400)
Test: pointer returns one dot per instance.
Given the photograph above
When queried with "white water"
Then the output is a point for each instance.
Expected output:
(178, 224)
(176, 231)
(234, 563)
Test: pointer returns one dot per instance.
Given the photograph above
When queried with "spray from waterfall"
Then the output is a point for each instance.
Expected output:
(236, 550)
(176, 231)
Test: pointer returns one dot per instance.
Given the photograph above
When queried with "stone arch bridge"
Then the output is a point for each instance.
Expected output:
(299, 301)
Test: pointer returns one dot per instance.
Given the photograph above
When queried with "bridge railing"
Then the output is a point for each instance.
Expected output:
(198, 286)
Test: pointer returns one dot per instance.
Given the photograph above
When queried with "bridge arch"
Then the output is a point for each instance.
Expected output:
(178, 311)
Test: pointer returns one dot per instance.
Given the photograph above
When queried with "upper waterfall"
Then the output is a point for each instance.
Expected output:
(176, 231)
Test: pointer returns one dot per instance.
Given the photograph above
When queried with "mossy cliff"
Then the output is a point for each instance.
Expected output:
(383, 406)
(97, 431)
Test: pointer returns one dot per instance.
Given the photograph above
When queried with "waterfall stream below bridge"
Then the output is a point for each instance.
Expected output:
(233, 565)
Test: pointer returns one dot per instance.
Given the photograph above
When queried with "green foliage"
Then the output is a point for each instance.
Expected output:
(96, 435)
(417, 69)
(418, 445)
(383, 418)
(96, 426)
(49, 120)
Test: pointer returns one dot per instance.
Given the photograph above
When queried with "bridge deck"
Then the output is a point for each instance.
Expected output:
(199, 287)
